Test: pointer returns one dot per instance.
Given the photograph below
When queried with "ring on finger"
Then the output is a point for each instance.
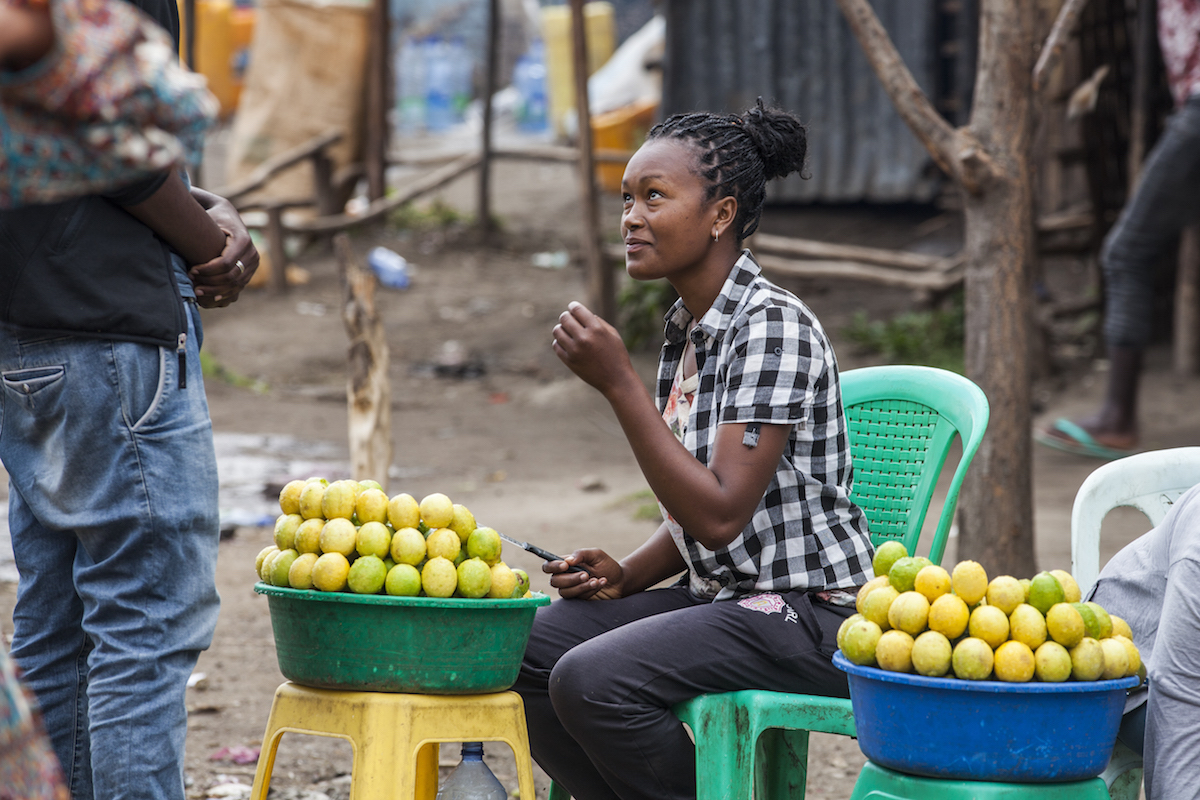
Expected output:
(241, 267)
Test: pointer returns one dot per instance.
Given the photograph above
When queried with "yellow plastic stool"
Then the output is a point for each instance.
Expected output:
(395, 736)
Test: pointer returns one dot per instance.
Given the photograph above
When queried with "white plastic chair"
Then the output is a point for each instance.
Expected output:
(1150, 482)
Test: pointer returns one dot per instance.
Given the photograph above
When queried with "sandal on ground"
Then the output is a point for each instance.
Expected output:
(1068, 437)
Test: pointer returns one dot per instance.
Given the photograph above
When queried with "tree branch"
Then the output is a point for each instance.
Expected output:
(1052, 51)
(956, 151)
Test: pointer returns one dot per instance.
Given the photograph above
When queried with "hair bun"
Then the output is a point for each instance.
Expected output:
(780, 138)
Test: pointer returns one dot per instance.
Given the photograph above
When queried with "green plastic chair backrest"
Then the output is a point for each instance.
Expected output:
(902, 421)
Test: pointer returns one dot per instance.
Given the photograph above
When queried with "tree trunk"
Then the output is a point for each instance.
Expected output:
(996, 519)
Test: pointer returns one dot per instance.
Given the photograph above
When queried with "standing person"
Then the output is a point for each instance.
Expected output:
(1153, 583)
(746, 448)
(104, 431)
(1167, 200)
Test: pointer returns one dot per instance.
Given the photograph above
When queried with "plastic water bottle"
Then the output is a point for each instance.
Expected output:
(439, 85)
(410, 86)
(529, 78)
(462, 68)
(389, 267)
(471, 779)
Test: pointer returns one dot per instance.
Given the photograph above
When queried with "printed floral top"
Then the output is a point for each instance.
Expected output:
(1179, 38)
(28, 768)
(109, 106)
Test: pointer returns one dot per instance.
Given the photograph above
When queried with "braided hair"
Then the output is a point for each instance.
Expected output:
(737, 155)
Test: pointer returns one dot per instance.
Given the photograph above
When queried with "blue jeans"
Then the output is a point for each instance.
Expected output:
(1166, 201)
(113, 513)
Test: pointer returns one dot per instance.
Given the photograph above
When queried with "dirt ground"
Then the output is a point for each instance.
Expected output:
(483, 411)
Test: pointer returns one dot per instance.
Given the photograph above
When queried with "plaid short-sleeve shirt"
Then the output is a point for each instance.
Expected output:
(762, 357)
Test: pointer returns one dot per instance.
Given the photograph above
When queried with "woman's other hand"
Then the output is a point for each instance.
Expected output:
(602, 581)
(592, 349)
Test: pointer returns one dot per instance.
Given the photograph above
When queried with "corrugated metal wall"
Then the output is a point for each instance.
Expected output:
(800, 55)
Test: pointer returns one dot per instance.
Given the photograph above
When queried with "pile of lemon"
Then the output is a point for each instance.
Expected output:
(916, 617)
(350, 536)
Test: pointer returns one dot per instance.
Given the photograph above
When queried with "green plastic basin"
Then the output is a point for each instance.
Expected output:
(418, 645)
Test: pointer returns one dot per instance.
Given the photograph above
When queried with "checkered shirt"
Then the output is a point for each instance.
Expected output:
(762, 357)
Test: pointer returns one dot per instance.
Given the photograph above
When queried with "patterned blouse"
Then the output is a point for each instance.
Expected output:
(1179, 38)
(108, 107)
(762, 358)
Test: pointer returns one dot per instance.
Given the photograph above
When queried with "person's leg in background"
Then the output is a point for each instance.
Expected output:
(1166, 201)
(112, 471)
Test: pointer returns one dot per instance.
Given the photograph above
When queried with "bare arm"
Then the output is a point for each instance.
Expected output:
(180, 221)
(26, 35)
(714, 503)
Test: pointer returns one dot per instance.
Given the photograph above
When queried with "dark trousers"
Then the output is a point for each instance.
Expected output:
(600, 677)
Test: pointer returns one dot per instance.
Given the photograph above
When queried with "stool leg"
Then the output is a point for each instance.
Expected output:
(427, 772)
(266, 763)
(781, 764)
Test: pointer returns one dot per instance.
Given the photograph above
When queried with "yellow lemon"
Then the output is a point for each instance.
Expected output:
(1132, 656)
(933, 582)
(339, 498)
(1070, 587)
(972, 659)
(371, 505)
(1065, 625)
(308, 535)
(403, 511)
(474, 578)
(1091, 623)
(289, 497)
(504, 582)
(330, 571)
(1116, 659)
(845, 626)
(909, 612)
(403, 580)
(989, 624)
(443, 542)
(867, 588)
(439, 578)
(300, 573)
(1014, 662)
(522, 582)
(1005, 593)
(1120, 627)
(875, 607)
(931, 652)
(859, 641)
(1045, 591)
(462, 522)
(485, 544)
(310, 499)
(1087, 660)
(338, 535)
(374, 539)
(1027, 625)
(436, 510)
(369, 484)
(262, 555)
(903, 574)
(1102, 619)
(1052, 663)
(948, 615)
(281, 562)
(969, 581)
(366, 575)
(408, 546)
(887, 554)
(893, 652)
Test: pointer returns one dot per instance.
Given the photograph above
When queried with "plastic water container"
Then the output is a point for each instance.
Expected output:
(462, 67)
(439, 85)
(410, 86)
(985, 730)
(389, 267)
(529, 79)
(471, 779)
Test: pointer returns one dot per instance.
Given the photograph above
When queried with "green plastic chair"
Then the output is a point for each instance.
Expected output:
(902, 421)
(879, 783)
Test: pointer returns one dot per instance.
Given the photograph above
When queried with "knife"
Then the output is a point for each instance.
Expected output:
(540, 553)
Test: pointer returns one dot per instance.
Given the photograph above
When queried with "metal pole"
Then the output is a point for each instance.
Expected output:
(601, 286)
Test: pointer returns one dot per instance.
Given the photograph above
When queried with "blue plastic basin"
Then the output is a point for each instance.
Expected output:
(985, 730)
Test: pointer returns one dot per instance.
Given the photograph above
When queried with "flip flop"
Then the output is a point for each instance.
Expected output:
(1076, 441)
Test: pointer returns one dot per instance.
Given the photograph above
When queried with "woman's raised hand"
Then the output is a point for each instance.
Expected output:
(592, 348)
